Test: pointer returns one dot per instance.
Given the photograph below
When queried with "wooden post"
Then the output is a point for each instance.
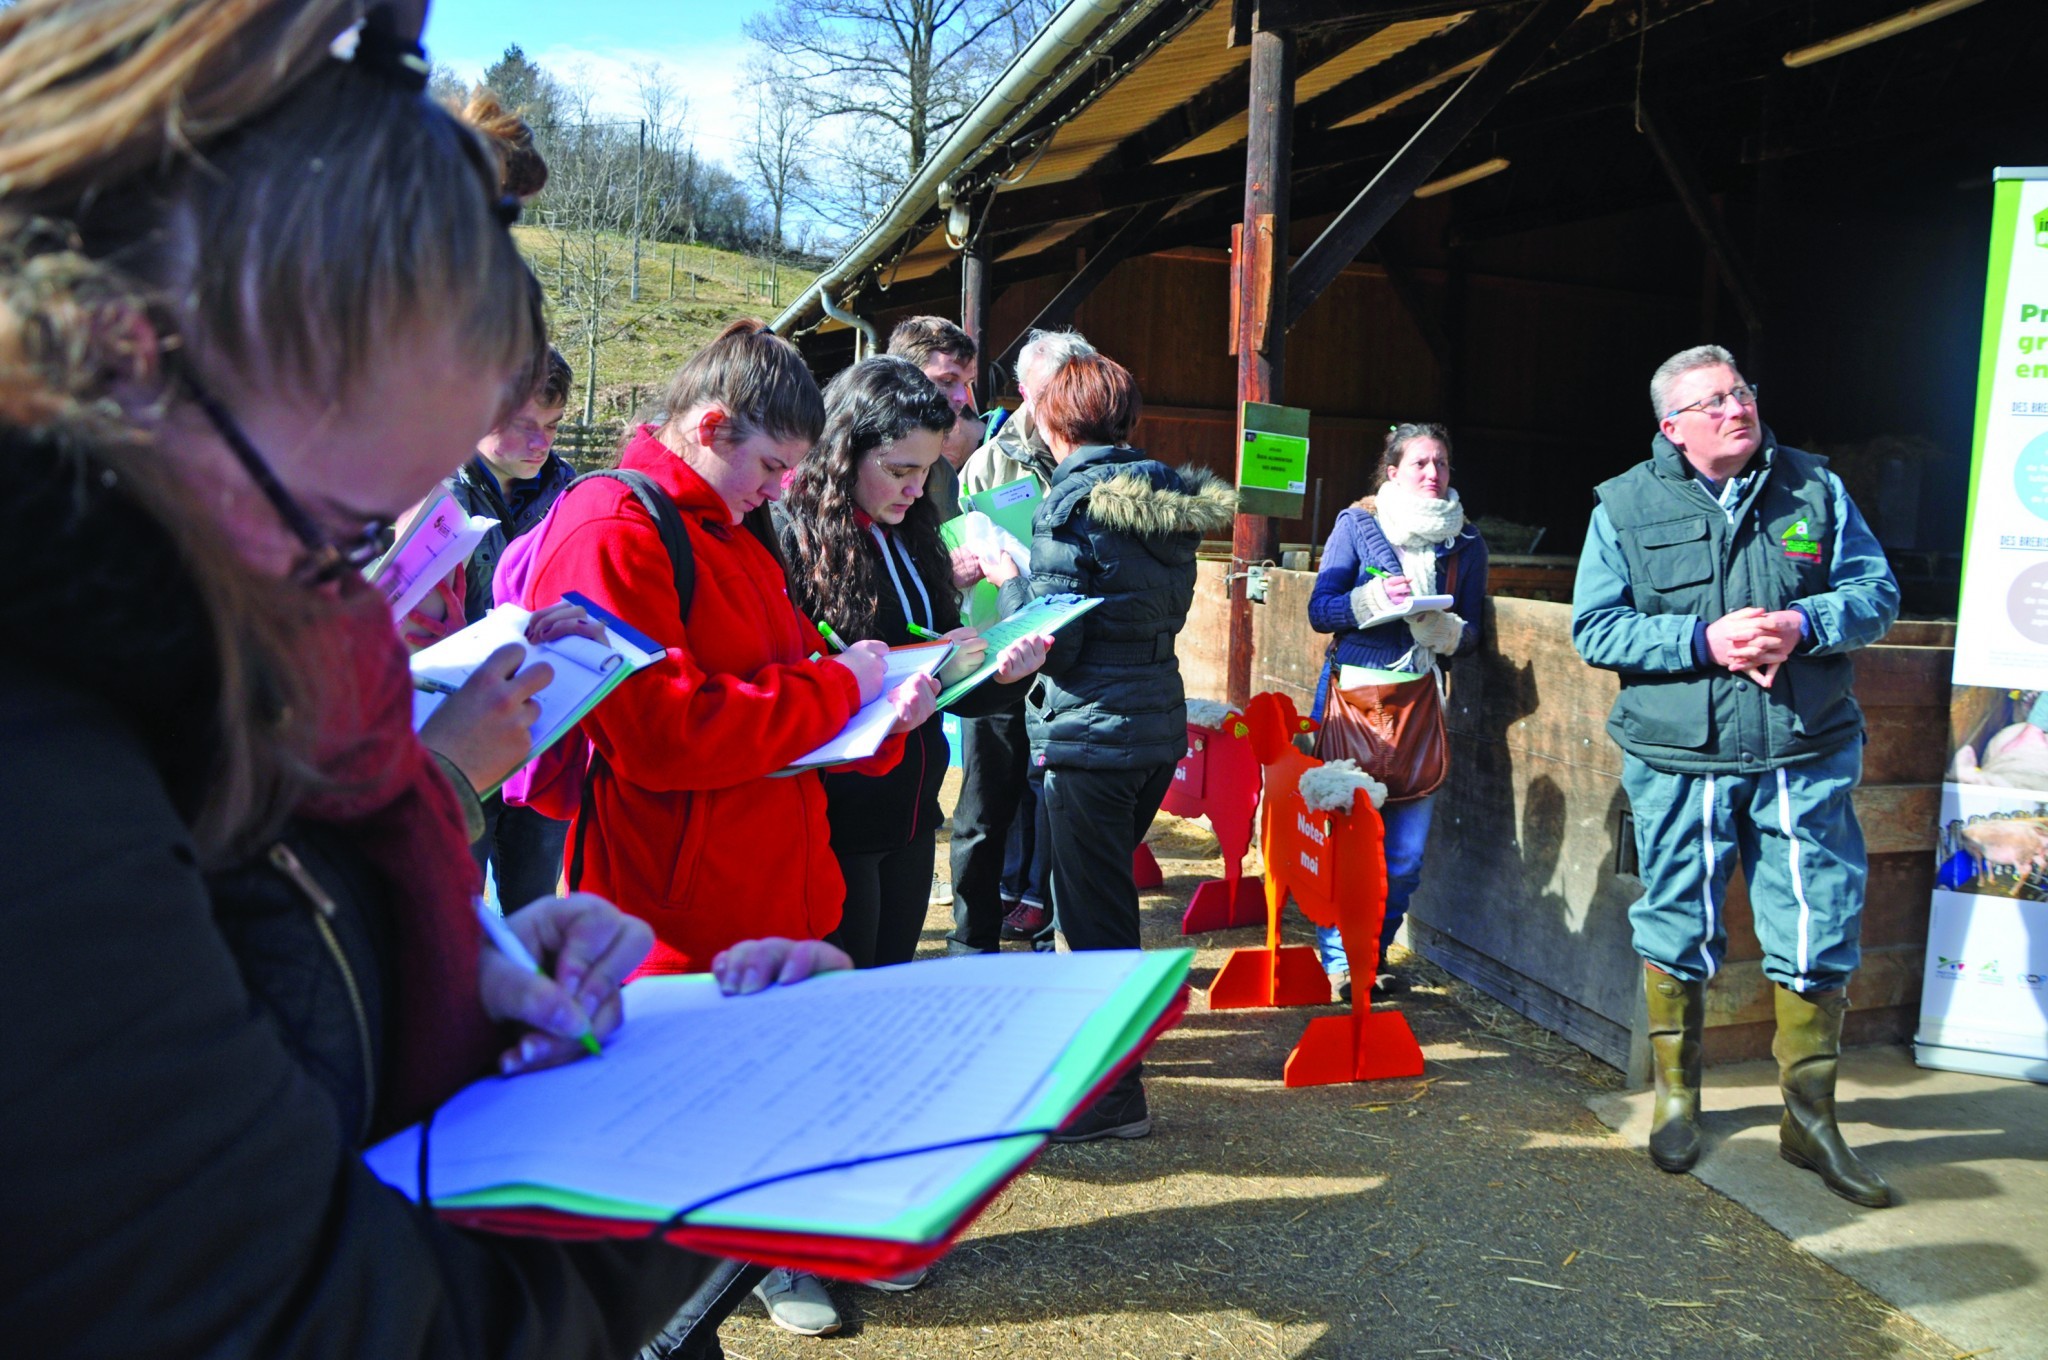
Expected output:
(1258, 284)
(671, 273)
(974, 310)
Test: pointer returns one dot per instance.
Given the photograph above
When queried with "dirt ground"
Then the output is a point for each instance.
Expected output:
(1479, 1211)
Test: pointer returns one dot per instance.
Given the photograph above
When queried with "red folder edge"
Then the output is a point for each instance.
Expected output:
(851, 1258)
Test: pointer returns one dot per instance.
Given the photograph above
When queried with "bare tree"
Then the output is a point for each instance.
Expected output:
(776, 154)
(893, 77)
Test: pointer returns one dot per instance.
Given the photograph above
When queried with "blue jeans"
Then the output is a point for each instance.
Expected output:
(1028, 849)
(1407, 826)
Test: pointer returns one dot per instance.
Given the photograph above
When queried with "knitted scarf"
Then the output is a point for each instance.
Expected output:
(1416, 526)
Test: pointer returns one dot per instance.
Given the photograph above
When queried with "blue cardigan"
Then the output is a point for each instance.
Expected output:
(1355, 541)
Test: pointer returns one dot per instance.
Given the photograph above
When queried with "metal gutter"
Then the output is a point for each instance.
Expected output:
(1031, 80)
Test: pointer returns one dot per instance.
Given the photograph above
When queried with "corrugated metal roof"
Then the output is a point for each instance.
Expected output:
(1362, 56)
(1191, 62)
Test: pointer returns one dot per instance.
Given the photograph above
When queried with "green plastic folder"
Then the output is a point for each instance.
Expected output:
(1047, 614)
(804, 1099)
(1013, 505)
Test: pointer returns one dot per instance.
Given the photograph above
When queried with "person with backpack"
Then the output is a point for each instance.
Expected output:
(514, 478)
(680, 817)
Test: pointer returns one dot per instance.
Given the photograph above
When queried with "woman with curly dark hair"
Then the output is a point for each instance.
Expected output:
(862, 545)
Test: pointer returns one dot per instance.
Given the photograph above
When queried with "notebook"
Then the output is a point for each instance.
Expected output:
(1046, 614)
(867, 729)
(853, 1123)
(585, 670)
(439, 538)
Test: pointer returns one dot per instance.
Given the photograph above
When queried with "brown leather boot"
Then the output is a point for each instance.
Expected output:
(1677, 1010)
(1809, 1051)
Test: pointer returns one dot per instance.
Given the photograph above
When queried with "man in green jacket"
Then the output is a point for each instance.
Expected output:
(1727, 579)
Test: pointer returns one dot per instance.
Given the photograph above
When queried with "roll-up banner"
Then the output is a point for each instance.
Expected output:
(1984, 1003)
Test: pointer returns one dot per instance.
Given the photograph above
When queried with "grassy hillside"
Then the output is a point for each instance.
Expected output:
(643, 343)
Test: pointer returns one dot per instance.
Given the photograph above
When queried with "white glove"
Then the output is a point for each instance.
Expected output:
(1369, 602)
(1440, 630)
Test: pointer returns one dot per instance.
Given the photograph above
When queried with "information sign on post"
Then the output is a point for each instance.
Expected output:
(1984, 995)
(1272, 460)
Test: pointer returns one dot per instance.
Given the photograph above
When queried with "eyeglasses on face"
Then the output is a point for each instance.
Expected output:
(327, 558)
(1742, 394)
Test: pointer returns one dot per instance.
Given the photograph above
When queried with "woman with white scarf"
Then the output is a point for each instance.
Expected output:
(1408, 540)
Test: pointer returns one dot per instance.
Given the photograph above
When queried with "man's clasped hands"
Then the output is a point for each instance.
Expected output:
(1755, 642)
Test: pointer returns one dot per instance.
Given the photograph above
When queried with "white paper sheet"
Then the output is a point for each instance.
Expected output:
(866, 730)
(444, 538)
(582, 666)
(1415, 604)
(699, 1092)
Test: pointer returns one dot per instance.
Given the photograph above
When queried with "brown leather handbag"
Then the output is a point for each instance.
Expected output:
(1395, 732)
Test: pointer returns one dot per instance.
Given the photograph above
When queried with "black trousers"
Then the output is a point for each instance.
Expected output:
(887, 895)
(524, 850)
(994, 754)
(1097, 818)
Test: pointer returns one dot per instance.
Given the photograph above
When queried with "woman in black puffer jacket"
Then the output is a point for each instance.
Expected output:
(1109, 721)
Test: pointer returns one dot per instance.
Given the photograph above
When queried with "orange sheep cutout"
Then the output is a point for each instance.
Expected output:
(1334, 866)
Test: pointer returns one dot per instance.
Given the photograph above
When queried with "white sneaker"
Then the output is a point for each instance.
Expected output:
(797, 1302)
(942, 892)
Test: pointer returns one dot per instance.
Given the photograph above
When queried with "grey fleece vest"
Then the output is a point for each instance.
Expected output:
(1686, 557)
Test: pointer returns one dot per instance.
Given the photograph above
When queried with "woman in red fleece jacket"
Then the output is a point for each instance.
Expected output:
(684, 825)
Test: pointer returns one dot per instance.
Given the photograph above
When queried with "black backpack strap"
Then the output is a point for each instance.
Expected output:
(668, 522)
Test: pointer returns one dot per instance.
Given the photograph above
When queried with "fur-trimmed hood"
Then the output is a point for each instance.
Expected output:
(1133, 503)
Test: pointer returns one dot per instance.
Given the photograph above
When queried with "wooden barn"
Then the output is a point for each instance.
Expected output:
(1502, 214)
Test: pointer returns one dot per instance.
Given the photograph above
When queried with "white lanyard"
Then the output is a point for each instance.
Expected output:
(884, 542)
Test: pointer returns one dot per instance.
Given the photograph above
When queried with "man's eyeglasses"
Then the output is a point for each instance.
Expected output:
(328, 558)
(1743, 394)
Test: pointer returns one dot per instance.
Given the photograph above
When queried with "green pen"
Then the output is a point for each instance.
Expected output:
(927, 634)
(832, 638)
(1380, 572)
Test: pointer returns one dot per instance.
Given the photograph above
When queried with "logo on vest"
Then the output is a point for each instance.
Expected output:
(1800, 544)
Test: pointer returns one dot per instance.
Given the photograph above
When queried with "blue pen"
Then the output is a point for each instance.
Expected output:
(508, 944)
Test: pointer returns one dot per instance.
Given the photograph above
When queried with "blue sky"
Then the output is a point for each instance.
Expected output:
(606, 44)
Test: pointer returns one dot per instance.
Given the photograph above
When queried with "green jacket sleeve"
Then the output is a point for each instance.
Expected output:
(1608, 629)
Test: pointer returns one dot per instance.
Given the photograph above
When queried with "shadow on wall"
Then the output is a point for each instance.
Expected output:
(1520, 895)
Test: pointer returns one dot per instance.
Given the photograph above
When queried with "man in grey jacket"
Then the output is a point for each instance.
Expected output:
(1727, 579)
(996, 787)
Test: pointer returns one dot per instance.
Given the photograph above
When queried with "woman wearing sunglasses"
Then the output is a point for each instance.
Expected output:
(251, 298)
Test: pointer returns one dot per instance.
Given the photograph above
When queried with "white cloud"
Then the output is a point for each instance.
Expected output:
(708, 76)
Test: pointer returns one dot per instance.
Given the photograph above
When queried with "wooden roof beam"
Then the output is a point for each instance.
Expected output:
(1691, 187)
(1415, 162)
(1124, 243)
